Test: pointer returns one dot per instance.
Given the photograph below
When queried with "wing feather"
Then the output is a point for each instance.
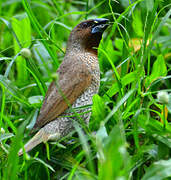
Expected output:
(74, 78)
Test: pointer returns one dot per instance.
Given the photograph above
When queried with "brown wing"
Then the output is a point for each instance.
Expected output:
(74, 78)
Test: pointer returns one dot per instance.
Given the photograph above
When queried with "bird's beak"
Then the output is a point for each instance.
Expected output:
(100, 25)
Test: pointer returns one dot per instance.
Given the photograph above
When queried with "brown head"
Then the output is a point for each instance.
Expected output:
(87, 35)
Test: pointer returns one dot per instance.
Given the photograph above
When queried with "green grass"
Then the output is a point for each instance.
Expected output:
(133, 129)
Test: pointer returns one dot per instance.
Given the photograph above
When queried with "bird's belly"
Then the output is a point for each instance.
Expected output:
(82, 106)
(85, 98)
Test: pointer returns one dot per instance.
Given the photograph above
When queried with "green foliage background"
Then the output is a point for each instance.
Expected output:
(129, 136)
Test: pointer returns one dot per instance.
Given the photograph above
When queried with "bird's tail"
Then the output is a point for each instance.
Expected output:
(38, 138)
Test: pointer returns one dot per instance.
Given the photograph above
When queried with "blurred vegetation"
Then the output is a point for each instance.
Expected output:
(133, 131)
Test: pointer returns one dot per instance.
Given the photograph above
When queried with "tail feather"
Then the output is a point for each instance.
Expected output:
(38, 138)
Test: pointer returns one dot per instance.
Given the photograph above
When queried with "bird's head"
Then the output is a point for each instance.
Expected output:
(87, 35)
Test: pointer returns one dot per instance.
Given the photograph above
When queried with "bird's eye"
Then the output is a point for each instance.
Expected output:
(84, 25)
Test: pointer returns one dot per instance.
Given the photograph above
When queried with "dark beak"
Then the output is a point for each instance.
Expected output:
(100, 25)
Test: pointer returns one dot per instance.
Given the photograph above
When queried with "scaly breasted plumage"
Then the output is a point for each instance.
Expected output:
(78, 80)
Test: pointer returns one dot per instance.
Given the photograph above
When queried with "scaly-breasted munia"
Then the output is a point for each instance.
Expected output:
(78, 80)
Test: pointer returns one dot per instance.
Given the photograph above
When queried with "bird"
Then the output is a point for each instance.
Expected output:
(77, 80)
